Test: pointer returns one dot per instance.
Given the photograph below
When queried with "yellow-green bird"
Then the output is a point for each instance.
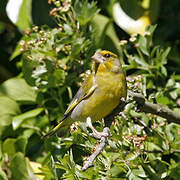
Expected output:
(100, 94)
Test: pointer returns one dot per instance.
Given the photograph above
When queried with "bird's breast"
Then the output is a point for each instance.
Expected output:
(105, 98)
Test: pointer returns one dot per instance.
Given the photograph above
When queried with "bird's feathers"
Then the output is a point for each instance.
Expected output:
(100, 93)
(84, 92)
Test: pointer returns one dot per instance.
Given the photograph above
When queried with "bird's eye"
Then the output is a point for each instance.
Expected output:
(107, 55)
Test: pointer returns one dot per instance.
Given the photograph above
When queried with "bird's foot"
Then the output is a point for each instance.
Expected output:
(102, 136)
(98, 135)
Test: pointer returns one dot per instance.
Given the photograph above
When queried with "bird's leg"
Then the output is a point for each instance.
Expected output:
(107, 121)
(98, 135)
(102, 136)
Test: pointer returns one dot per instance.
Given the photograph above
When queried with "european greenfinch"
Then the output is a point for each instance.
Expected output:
(100, 94)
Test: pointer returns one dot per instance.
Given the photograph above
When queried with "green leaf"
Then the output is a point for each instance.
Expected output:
(164, 55)
(20, 144)
(174, 94)
(11, 146)
(68, 29)
(18, 90)
(85, 11)
(76, 48)
(143, 45)
(174, 170)
(18, 120)
(18, 167)
(171, 82)
(115, 171)
(17, 51)
(27, 69)
(132, 156)
(9, 108)
(24, 18)
(3, 175)
(105, 34)
(139, 173)
(141, 62)
(53, 168)
(150, 146)
(59, 77)
(161, 99)
(172, 132)
(132, 176)
(150, 171)
(163, 70)
(151, 29)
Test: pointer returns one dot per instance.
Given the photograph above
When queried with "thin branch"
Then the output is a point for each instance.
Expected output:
(162, 152)
(156, 109)
(98, 150)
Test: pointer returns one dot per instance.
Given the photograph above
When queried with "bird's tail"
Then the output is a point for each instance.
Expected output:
(61, 129)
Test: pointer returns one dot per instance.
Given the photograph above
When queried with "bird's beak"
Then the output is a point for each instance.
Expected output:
(97, 57)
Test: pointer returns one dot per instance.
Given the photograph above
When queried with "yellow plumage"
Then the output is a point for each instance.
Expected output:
(99, 95)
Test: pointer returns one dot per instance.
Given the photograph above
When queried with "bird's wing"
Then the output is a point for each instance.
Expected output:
(84, 92)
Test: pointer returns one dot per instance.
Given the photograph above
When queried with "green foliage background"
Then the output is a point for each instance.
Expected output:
(41, 69)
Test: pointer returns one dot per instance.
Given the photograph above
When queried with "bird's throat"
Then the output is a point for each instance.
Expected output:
(96, 65)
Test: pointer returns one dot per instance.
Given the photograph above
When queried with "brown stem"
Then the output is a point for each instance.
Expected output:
(100, 147)
(156, 109)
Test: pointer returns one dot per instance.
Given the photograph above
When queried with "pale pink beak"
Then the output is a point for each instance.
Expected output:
(98, 58)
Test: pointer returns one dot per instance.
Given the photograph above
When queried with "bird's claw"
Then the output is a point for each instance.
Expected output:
(102, 136)
(98, 135)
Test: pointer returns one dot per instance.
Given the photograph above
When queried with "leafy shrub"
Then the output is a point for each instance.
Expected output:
(53, 62)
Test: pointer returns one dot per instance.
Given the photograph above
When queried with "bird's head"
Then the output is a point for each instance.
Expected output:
(106, 61)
